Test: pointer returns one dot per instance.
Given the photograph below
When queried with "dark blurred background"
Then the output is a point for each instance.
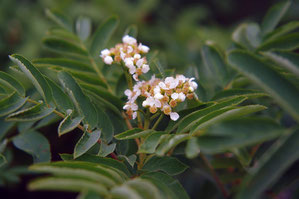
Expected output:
(176, 28)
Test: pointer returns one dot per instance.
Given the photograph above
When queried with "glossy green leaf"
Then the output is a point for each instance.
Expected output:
(61, 100)
(67, 184)
(105, 124)
(133, 133)
(289, 61)
(240, 35)
(169, 165)
(171, 188)
(188, 121)
(106, 149)
(90, 78)
(11, 103)
(214, 63)
(64, 46)
(35, 112)
(99, 160)
(102, 35)
(270, 167)
(192, 148)
(35, 77)
(274, 15)
(170, 143)
(236, 133)
(81, 101)
(235, 92)
(68, 123)
(151, 142)
(285, 93)
(132, 31)
(12, 83)
(2, 160)
(63, 63)
(224, 114)
(282, 30)
(35, 144)
(87, 141)
(130, 159)
(60, 19)
(83, 27)
(286, 42)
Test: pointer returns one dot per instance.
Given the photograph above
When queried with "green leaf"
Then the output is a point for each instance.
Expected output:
(133, 133)
(170, 143)
(236, 133)
(35, 144)
(286, 42)
(12, 83)
(169, 165)
(68, 124)
(64, 46)
(285, 93)
(157, 68)
(188, 121)
(83, 27)
(88, 195)
(35, 76)
(2, 160)
(67, 184)
(224, 114)
(144, 188)
(293, 25)
(106, 149)
(270, 167)
(105, 124)
(151, 142)
(80, 170)
(192, 149)
(132, 31)
(11, 103)
(96, 159)
(274, 15)
(247, 35)
(61, 100)
(81, 102)
(90, 78)
(35, 112)
(214, 63)
(63, 63)
(235, 92)
(103, 34)
(289, 61)
(87, 141)
(60, 19)
(171, 188)
(130, 159)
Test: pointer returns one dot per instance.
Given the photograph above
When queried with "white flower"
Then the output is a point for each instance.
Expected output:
(108, 60)
(143, 48)
(131, 106)
(150, 101)
(145, 68)
(137, 56)
(139, 63)
(130, 49)
(174, 116)
(128, 93)
(174, 96)
(192, 83)
(132, 69)
(182, 97)
(169, 83)
(135, 77)
(157, 89)
(129, 62)
(105, 53)
(134, 115)
(181, 78)
(122, 55)
(129, 40)
(158, 96)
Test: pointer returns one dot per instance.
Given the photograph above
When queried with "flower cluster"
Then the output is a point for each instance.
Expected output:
(129, 52)
(160, 95)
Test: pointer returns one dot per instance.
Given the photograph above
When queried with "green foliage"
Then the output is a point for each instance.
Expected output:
(233, 131)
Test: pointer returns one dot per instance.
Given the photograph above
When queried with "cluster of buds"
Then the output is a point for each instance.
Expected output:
(160, 95)
(129, 53)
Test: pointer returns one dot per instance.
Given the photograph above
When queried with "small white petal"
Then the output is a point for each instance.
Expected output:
(122, 55)
(130, 49)
(105, 53)
(128, 92)
(145, 68)
(143, 48)
(174, 116)
(162, 85)
(129, 40)
(191, 89)
(158, 96)
(135, 77)
(108, 60)
(194, 85)
(157, 90)
(182, 97)
(132, 69)
(126, 106)
(158, 103)
(137, 56)
(144, 103)
(174, 96)
(139, 63)
(134, 107)
(134, 115)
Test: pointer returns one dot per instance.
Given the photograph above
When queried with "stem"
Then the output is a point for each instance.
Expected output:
(215, 176)
(128, 78)
(158, 121)
(128, 123)
(139, 120)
